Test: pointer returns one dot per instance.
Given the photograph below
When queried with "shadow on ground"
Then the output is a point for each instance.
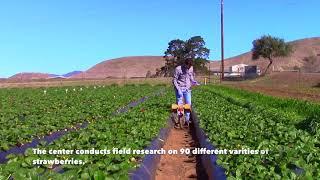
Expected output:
(317, 86)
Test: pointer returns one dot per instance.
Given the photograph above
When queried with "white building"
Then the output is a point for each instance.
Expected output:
(238, 68)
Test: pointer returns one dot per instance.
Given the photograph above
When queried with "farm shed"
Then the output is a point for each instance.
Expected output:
(243, 71)
(238, 68)
(252, 71)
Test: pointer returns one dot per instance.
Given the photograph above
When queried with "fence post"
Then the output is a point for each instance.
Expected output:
(299, 78)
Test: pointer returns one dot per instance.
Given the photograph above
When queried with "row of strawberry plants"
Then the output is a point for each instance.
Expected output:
(134, 129)
(233, 123)
(291, 106)
(29, 113)
(307, 118)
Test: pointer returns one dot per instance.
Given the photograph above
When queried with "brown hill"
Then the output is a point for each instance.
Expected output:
(135, 66)
(138, 66)
(28, 76)
(303, 48)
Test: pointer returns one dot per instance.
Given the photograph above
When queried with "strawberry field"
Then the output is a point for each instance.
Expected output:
(30, 113)
(232, 119)
(134, 129)
(289, 129)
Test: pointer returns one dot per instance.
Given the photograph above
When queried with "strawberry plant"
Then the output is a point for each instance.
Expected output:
(26, 114)
(236, 121)
(134, 129)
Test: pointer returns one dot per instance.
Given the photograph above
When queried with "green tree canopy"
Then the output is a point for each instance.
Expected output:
(179, 50)
(269, 48)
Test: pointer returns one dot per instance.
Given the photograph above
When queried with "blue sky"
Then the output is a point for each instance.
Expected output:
(58, 36)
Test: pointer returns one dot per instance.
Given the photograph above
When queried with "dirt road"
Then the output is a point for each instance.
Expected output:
(180, 166)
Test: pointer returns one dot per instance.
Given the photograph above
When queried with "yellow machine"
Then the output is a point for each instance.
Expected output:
(185, 106)
(178, 114)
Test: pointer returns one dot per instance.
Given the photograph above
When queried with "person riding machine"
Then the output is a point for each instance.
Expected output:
(183, 80)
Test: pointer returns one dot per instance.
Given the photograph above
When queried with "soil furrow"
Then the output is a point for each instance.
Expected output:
(180, 166)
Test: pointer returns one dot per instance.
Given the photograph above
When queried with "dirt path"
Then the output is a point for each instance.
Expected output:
(180, 166)
(281, 92)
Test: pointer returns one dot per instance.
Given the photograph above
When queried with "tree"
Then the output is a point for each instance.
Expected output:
(178, 50)
(269, 48)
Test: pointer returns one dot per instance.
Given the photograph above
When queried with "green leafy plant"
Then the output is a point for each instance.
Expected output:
(134, 129)
(29, 113)
(235, 119)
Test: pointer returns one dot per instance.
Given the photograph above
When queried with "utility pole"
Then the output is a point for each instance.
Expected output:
(222, 44)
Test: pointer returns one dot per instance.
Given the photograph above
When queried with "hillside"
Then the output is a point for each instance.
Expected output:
(138, 66)
(73, 73)
(29, 76)
(302, 48)
(135, 66)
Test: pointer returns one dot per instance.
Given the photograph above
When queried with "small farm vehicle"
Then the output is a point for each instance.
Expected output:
(178, 115)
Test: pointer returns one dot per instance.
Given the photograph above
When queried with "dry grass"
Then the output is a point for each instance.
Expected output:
(284, 84)
(62, 83)
(305, 86)
(81, 82)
